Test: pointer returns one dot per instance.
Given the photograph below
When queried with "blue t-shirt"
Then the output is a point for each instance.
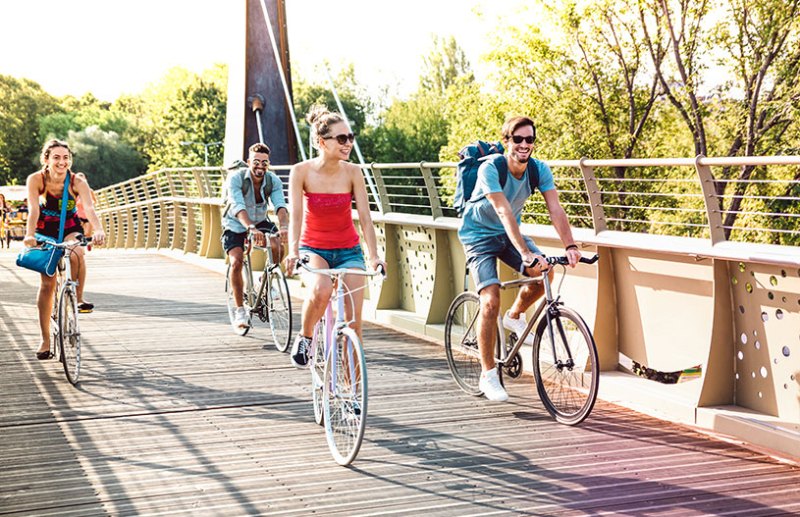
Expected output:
(480, 220)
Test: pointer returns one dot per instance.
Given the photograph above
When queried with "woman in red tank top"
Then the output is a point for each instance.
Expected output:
(321, 194)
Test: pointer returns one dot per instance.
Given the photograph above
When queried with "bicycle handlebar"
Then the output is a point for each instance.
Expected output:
(564, 261)
(303, 262)
(81, 240)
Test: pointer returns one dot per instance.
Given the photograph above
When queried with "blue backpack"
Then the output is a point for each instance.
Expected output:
(471, 157)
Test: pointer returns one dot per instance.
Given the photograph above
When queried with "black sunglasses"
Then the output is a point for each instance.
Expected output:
(343, 138)
(517, 139)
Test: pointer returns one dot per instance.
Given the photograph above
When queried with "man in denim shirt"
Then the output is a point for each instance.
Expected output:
(246, 198)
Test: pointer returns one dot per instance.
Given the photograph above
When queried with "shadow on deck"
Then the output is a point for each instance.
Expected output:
(176, 414)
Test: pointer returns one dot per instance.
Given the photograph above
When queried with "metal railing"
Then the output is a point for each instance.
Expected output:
(677, 196)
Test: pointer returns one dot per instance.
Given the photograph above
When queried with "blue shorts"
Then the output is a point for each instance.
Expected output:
(482, 258)
(339, 258)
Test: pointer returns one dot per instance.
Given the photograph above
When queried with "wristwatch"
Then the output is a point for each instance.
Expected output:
(251, 227)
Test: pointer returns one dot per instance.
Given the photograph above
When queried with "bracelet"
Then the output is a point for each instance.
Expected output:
(571, 246)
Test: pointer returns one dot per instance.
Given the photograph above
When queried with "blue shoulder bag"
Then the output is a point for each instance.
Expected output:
(44, 259)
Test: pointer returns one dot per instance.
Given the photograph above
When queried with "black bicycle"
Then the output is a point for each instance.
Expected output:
(565, 363)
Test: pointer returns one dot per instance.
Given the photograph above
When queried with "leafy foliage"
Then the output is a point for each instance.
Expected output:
(23, 104)
(103, 156)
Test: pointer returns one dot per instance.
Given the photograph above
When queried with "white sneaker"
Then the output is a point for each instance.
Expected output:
(490, 385)
(240, 317)
(517, 326)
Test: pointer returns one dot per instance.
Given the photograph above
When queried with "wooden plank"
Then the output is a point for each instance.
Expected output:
(177, 415)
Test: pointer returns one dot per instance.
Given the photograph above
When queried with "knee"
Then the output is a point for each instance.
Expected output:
(321, 293)
(490, 305)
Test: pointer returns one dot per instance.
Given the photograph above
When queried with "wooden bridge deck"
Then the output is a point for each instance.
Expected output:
(177, 415)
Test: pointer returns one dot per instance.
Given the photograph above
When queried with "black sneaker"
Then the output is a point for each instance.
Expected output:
(300, 350)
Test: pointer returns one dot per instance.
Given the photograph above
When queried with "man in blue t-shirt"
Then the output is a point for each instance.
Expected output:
(491, 229)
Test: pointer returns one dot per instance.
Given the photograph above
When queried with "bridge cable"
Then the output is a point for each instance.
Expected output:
(364, 168)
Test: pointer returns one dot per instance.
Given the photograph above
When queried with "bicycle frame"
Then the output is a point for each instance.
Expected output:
(334, 326)
(503, 353)
(268, 265)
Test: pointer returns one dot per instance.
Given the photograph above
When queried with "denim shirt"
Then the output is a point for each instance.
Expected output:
(239, 194)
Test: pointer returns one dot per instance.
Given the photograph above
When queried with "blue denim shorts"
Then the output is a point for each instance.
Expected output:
(482, 258)
(339, 258)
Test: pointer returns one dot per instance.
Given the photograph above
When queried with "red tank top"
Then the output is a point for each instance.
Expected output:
(328, 221)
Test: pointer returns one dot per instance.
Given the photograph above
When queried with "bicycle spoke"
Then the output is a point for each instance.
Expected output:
(461, 342)
(69, 335)
(280, 309)
(566, 369)
(318, 369)
(345, 397)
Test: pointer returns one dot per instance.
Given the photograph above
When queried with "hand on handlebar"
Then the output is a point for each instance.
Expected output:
(290, 261)
(259, 239)
(98, 237)
(537, 263)
(574, 256)
(378, 265)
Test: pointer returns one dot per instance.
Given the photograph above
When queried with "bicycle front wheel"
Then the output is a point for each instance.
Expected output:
(565, 366)
(344, 397)
(280, 310)
(461, 342)
(318, 369)
(55, 340)
(69, 335)
(248, 300)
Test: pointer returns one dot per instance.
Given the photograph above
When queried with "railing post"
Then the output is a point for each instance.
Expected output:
(713, 213)
(595, 200)
(383, 202)
(433, 194)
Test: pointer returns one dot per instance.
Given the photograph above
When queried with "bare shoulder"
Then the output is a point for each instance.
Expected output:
(79, 180)
(300, 169)
(36, 179)
(353, 170)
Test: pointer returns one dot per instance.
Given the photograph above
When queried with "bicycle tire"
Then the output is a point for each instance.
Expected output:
(55, 346)
(280, 310)
(345, 402)
(69, 341)
(318, 369)
(461, 342)
(568, 393)
(248, 300)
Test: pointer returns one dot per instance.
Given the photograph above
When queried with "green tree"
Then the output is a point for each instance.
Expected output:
(23, 103)
(182, 106)
(355, 102)
(103, 156)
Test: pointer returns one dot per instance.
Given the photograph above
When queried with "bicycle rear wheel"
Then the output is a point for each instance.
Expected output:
(461, 342)
(344, 397)
(280, 310)
(318, 369)
(69, 341)
(248, 300)
(566, 367)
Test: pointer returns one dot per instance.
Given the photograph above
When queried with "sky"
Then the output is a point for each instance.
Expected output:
(109, 48)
